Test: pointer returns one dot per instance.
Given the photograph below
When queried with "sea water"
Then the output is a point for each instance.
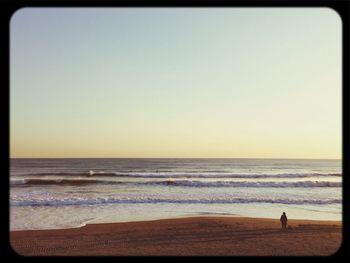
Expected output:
(64, 193)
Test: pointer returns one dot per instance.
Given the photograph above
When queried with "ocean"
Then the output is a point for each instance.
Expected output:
(66, 193)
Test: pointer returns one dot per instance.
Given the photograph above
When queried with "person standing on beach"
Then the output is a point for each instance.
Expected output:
(284, 220)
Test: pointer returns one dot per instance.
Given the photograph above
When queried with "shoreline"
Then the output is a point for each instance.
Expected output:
(198, 215)
(204, 235)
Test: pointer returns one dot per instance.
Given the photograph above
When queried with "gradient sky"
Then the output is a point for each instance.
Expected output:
(194, 82)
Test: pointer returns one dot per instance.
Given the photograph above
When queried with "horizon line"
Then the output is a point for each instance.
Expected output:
(267, 158)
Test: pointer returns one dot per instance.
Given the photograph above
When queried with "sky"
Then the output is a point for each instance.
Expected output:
(176, 83)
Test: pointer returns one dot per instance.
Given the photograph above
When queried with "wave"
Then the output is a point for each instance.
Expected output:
(193, 174)
(88, 174)
(59, 182)
(178, 183)
(187, 183)
(223, 175)
(98, 201)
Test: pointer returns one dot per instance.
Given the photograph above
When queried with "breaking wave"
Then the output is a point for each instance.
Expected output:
(95, 201)
(193, 174)
(247, 184)
(179, 183)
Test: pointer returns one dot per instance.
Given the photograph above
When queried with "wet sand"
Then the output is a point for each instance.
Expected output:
(193, 236)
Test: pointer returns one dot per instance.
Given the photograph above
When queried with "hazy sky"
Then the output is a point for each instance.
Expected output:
(194, 82)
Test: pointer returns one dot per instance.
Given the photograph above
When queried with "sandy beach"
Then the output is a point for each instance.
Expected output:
(193, 236)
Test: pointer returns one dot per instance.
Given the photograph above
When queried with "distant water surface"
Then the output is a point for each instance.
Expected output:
(61, 193)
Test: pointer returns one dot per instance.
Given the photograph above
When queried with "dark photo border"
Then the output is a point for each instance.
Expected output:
(9, 7)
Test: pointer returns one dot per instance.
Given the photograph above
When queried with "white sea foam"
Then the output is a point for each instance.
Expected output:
(194, 174)
(95, 201)
(174, 182)
(190, 183)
